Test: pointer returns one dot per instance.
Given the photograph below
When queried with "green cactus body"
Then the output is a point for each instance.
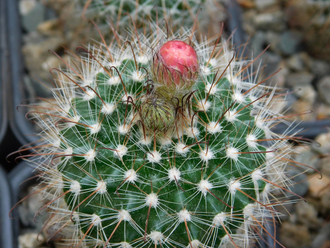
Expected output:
(202, 181)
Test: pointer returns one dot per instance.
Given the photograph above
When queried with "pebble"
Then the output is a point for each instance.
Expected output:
(274, 21)
(305, 155)
(299, 78)
(318, 186)
(305, 92)
(326, 244)
(50, 27)
(307, 215)
(325, 165)
(35, 16)
(323, 87)
(26, 6)
(323, 238)
(319, 67)
(60, 5)
(36, 53)
(32, 37)
(281, 76)
(30, 240)
(272, 60)
(290, 42)
(304, 108)
(29, 208)
(248, 25)
(259, 42)
(325, 202)
(322, 144)
(273, 39)
(53, 62)
(321, 202)
(295, 63)
(264, 4)
(301, 12)
(294, 235)
(246, 3)
(322, 111)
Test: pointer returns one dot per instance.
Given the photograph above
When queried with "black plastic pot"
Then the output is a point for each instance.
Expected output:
(3, 72)
(21, 127)
(16, 177)
(307, 129)
(6, 224)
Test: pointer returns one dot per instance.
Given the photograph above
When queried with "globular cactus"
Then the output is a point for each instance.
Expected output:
(158, 140)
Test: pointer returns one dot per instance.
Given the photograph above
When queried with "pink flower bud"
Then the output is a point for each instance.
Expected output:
(176, 64)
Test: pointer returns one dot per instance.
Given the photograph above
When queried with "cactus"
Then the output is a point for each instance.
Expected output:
(143, 150)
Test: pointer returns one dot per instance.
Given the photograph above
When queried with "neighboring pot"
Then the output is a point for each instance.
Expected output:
(20, 126)
(3, 71)
(17, 178)
(6, 224)
(4, 79)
